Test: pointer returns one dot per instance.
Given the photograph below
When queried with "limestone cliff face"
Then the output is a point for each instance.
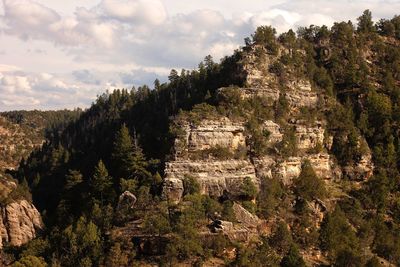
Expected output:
(225, 175)
(260, 82)
(309, 137)
(275, 134)
(300, 94)
(221, 176)
(212, 133)
(19, 223)
(19, 219)
(216, 177)
(322, 163)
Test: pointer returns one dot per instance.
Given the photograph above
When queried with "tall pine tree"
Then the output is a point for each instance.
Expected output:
(129, 160)
(101, 183)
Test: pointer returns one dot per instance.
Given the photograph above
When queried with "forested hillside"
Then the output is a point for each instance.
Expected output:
(23, 131)
(286, 153)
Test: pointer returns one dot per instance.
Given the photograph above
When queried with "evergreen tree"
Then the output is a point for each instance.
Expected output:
(336, 234)
(128, 157)
(101, 182)
(293, 258)
(365, 23)
(308, 185)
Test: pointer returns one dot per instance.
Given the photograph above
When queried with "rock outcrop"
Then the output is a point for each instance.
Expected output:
(126, 200)
(244, 217)
(362, 170)
(209, 134)
(19, 223)
(309, 137)
(196, 143)
(300, 94)
(215, 177)
(19, 219)
(322, 163)
(218, 177)
(275, 135)
(290, 168)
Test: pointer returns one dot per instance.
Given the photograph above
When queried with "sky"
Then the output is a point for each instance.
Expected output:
(57, 54)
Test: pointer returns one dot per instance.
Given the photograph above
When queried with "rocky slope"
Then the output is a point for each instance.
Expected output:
(20, 133)
(217, 175)
(23, 131)
(216, 151)
(286, 150)
(16, 143)
(20, 221)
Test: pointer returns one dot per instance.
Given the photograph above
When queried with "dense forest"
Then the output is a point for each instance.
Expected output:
(98, 178)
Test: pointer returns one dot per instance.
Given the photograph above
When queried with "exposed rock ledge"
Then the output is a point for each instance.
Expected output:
(215, 177)
(19, 223)
(208, 134)
(289, 169)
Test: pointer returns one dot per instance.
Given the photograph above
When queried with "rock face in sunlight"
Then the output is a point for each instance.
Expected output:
(209, 150)
(215, 177)
(19, 223)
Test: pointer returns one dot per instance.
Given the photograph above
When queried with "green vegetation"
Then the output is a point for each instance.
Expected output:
(308, 185)
(123, 141)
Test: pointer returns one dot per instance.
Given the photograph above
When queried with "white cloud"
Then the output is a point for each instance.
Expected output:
(29, 20)
(7, 68)
(20, 90)
(139, 11)
(15, 84)
(25, 13)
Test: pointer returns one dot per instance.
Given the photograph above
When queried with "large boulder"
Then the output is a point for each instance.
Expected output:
(19, 223)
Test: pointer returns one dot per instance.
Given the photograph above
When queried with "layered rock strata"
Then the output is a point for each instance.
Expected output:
(19, 223)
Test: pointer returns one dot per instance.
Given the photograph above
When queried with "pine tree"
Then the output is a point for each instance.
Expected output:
(293, 258)
(365, 23)
(122, 152)
(308, 185)
(101, 182)
(73, 179)
(128, 157)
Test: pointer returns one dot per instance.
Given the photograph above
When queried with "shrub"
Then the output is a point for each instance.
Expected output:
(269, 196)
(248, 189)
(190, 185)
(293, 258)
(308, 185)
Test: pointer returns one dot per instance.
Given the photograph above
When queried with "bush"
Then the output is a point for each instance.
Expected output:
(248, 189)
(30, 261)
(288, 145)
(308, 185)
(293, 258)
(269, 196)
(190, 185)
(265, 35)
(281, 239)
(337, 235)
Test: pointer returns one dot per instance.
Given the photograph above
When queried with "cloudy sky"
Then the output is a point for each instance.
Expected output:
(61, 54)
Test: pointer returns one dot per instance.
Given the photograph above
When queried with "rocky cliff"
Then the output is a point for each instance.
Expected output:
(208, 149)
(16, 142)
(20, 221)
